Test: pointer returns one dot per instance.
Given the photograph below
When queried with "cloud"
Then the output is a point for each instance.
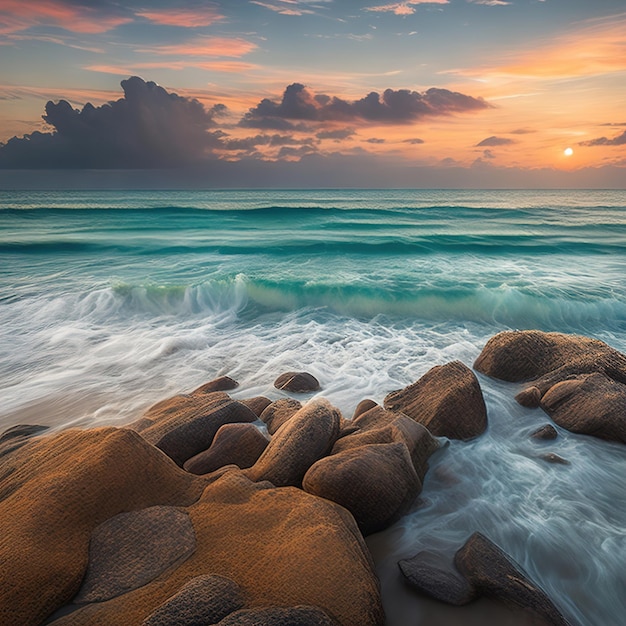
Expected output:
(376, 140)
(495, 141)
(402, 8)
(413, 141)
(619, 140)
(488, 154)
(491, 3)
(337, 135)
(292, 7)
(392, 107)
(147, 128)
(185, 17)
(19, 15)
(205, 47)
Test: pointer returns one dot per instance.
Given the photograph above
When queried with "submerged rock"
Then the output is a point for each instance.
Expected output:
(223, 383)
(494, 573)
(447, 400)
(297, 382)
(546, 433)
(234, 444)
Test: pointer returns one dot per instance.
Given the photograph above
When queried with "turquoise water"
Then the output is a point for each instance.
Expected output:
(112, 300)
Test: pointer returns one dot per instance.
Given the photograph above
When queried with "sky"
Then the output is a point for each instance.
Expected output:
(440, 93)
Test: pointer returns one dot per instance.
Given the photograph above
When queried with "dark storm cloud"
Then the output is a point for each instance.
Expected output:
(495, 141)
(620, 140)
(391, 107)
(148, 127)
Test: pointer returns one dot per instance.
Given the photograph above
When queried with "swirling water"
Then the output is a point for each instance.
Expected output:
(110, 301)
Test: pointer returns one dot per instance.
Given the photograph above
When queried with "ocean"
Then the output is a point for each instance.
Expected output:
(113, 300)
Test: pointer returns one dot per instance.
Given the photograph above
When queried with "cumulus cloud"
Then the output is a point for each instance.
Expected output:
(337, 135)
(495, 141)
(391, 107)
(148, 127)
(619, 140)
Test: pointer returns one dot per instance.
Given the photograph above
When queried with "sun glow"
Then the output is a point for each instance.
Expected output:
(568, 152)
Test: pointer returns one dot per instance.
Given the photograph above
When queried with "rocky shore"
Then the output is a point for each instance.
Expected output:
(211, 510)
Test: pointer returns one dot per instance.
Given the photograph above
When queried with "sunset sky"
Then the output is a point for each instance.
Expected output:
(446, 90)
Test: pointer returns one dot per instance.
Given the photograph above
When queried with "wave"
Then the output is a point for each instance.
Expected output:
(248, 299)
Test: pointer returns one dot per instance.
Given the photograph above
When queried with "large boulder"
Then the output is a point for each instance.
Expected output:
(223, 383)
(281, 547)
(373, 416)
(54, 491)
(547, 358)
(494, 573)
(298, 443)
(279, 412)
(377, 483)
(447, 400)
(185, 425)
(591, 404)
(257, 405)
(234, 444)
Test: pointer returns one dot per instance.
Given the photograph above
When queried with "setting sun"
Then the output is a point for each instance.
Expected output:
(568, 152)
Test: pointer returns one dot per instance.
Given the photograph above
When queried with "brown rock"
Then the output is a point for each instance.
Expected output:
(494, 573)
(257, 404)
(363, 407)
(430, 573)
(282, 547)
(592, 404)
(547, 432)
(131, 549)
(524, 355)
(377, 483)
(234, 444)
(550, 457)
(203, 600)
(529, 397)
(297, 382)
(278, 412)
(185, 425)
(223, 383)
(306, 437)
(447, 400)
(16, 436)
(420, 443)
(54, 491)
(375, 417)
(278, 616)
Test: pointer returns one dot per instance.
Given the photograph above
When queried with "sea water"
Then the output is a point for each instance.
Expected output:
(113, 300)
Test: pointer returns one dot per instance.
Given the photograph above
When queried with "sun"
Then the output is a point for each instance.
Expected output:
(568, 152)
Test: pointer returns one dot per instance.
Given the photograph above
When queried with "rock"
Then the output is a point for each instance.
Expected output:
(205, 599)
(131, 549)
(54, 491)
(305, 438)
(257, 404)
(494, 573)
(297, 382)
(234, 444)
(418, 440)
(526, 355)
(278, 412)
(592, 404)
(16, 436)
(282, 547)
(546, 433)
(278, 616)
(529, 397)
(377, 483)
(430, 573)
(447, 400)
(363, 407)
(375, 417)
(185, 425)
(550, 457)
(223, 383)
